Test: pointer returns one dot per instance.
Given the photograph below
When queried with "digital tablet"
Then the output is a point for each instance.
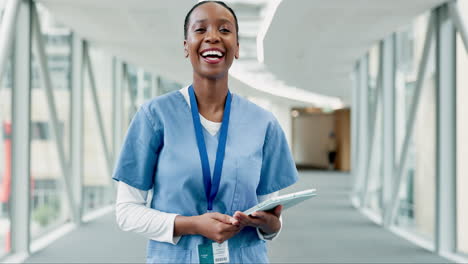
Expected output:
(287, 201)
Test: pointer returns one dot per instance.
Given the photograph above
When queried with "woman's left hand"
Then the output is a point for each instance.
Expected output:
(267, 221)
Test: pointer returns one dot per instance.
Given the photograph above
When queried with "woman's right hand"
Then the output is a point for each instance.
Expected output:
(217, 227)
(214, 226)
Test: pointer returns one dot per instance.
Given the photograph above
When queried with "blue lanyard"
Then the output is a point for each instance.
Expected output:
(211, 186)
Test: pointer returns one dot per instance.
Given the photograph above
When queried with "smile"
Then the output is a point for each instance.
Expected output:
(212, 56)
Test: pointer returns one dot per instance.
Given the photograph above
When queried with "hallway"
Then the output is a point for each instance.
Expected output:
(325, 229)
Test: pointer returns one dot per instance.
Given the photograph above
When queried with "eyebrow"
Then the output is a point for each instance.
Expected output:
(221, 20)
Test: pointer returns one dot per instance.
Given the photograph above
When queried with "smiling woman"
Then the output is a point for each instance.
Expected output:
(207, 154)
(211, 39)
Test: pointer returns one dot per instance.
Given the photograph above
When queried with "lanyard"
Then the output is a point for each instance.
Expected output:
(211, 186)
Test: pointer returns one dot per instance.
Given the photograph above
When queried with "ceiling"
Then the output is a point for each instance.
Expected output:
(314, 44)
(142, 32)
(310, 46)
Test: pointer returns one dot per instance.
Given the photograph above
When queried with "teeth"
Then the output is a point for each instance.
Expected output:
(212, 52)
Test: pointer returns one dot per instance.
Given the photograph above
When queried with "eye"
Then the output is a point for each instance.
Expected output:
(224, 30)
(200, 30)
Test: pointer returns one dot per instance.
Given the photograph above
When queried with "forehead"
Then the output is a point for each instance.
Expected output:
(211, 12)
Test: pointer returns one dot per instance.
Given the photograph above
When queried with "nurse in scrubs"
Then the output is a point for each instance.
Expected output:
(207, 155)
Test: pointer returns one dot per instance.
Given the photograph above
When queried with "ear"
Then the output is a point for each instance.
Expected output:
(186, 54)
(236, 55)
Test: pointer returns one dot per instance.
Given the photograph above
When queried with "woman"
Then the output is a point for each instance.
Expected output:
(207, 155)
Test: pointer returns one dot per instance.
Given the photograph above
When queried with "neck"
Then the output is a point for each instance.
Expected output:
(211, 97)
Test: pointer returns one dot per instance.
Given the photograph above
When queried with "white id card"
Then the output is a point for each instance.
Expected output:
(213, 253)
(221, 252)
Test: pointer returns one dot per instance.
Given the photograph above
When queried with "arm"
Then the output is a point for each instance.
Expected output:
(133, 215)
(215, 226)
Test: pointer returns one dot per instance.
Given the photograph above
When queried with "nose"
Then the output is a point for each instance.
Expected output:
(212, 36)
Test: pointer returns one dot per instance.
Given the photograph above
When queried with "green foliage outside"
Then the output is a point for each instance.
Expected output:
(46, 213)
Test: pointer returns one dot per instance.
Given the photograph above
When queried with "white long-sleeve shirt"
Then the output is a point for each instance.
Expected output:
(133, 214)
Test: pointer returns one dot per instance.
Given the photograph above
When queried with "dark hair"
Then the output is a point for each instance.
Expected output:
(187, 17)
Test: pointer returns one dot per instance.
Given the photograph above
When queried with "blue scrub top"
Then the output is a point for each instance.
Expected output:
(160, 152)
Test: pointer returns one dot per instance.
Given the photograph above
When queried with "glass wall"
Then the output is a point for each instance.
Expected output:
(2, 8)
(97, 189)
(166, 86)
(416, 211)
(374, 199)
(5, 158)
(49, 207)
(462, 139)
(5, 153)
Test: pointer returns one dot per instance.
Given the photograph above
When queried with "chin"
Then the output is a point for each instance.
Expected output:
(214, 75)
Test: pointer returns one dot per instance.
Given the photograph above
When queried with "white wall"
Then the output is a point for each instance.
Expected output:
(282, 112)
(425, 168)
(462, 144)
(310, 138)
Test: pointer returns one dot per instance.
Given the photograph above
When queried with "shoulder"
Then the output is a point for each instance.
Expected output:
(163, 107)
(171, 99)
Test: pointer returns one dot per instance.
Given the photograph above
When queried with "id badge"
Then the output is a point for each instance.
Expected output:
(213, 253)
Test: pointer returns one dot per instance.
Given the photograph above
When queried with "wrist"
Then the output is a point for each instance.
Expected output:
(194, 225)
(273, 228)
(185, 225)
(265, 236)
(266, 231)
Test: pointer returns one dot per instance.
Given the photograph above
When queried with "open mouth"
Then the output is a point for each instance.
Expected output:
(212, 56)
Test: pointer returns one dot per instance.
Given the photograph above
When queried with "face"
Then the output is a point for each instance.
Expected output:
(211, 43)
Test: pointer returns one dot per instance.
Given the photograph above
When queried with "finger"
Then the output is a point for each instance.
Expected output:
(237, 215)
(240, 215)
(230, 228)
(235, 222)
(245, 222)
(252, 220)
(259, 214)
(278, 210)
(223, 218)
(245, 219)
(256, 222)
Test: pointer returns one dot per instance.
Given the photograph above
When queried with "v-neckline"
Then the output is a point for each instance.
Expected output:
(189, 112)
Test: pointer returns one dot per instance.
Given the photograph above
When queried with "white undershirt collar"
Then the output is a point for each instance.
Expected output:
(210, 126)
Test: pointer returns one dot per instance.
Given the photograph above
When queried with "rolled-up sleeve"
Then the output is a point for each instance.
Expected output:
(137, 160)
(278, 167)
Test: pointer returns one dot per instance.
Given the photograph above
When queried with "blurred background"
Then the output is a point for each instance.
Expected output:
(370, 94)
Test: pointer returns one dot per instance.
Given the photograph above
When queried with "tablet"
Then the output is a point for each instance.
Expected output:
(287, 201)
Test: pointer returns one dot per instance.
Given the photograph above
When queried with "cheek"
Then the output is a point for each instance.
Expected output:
(192, 45)
(192, 52)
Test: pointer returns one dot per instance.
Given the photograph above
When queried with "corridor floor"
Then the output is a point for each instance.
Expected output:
(324, 229)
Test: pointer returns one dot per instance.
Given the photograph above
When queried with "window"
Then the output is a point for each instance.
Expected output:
(49, 207)
(416, 212)
(97, 189)
(5, 158)
(375, 122)
(41, 130)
